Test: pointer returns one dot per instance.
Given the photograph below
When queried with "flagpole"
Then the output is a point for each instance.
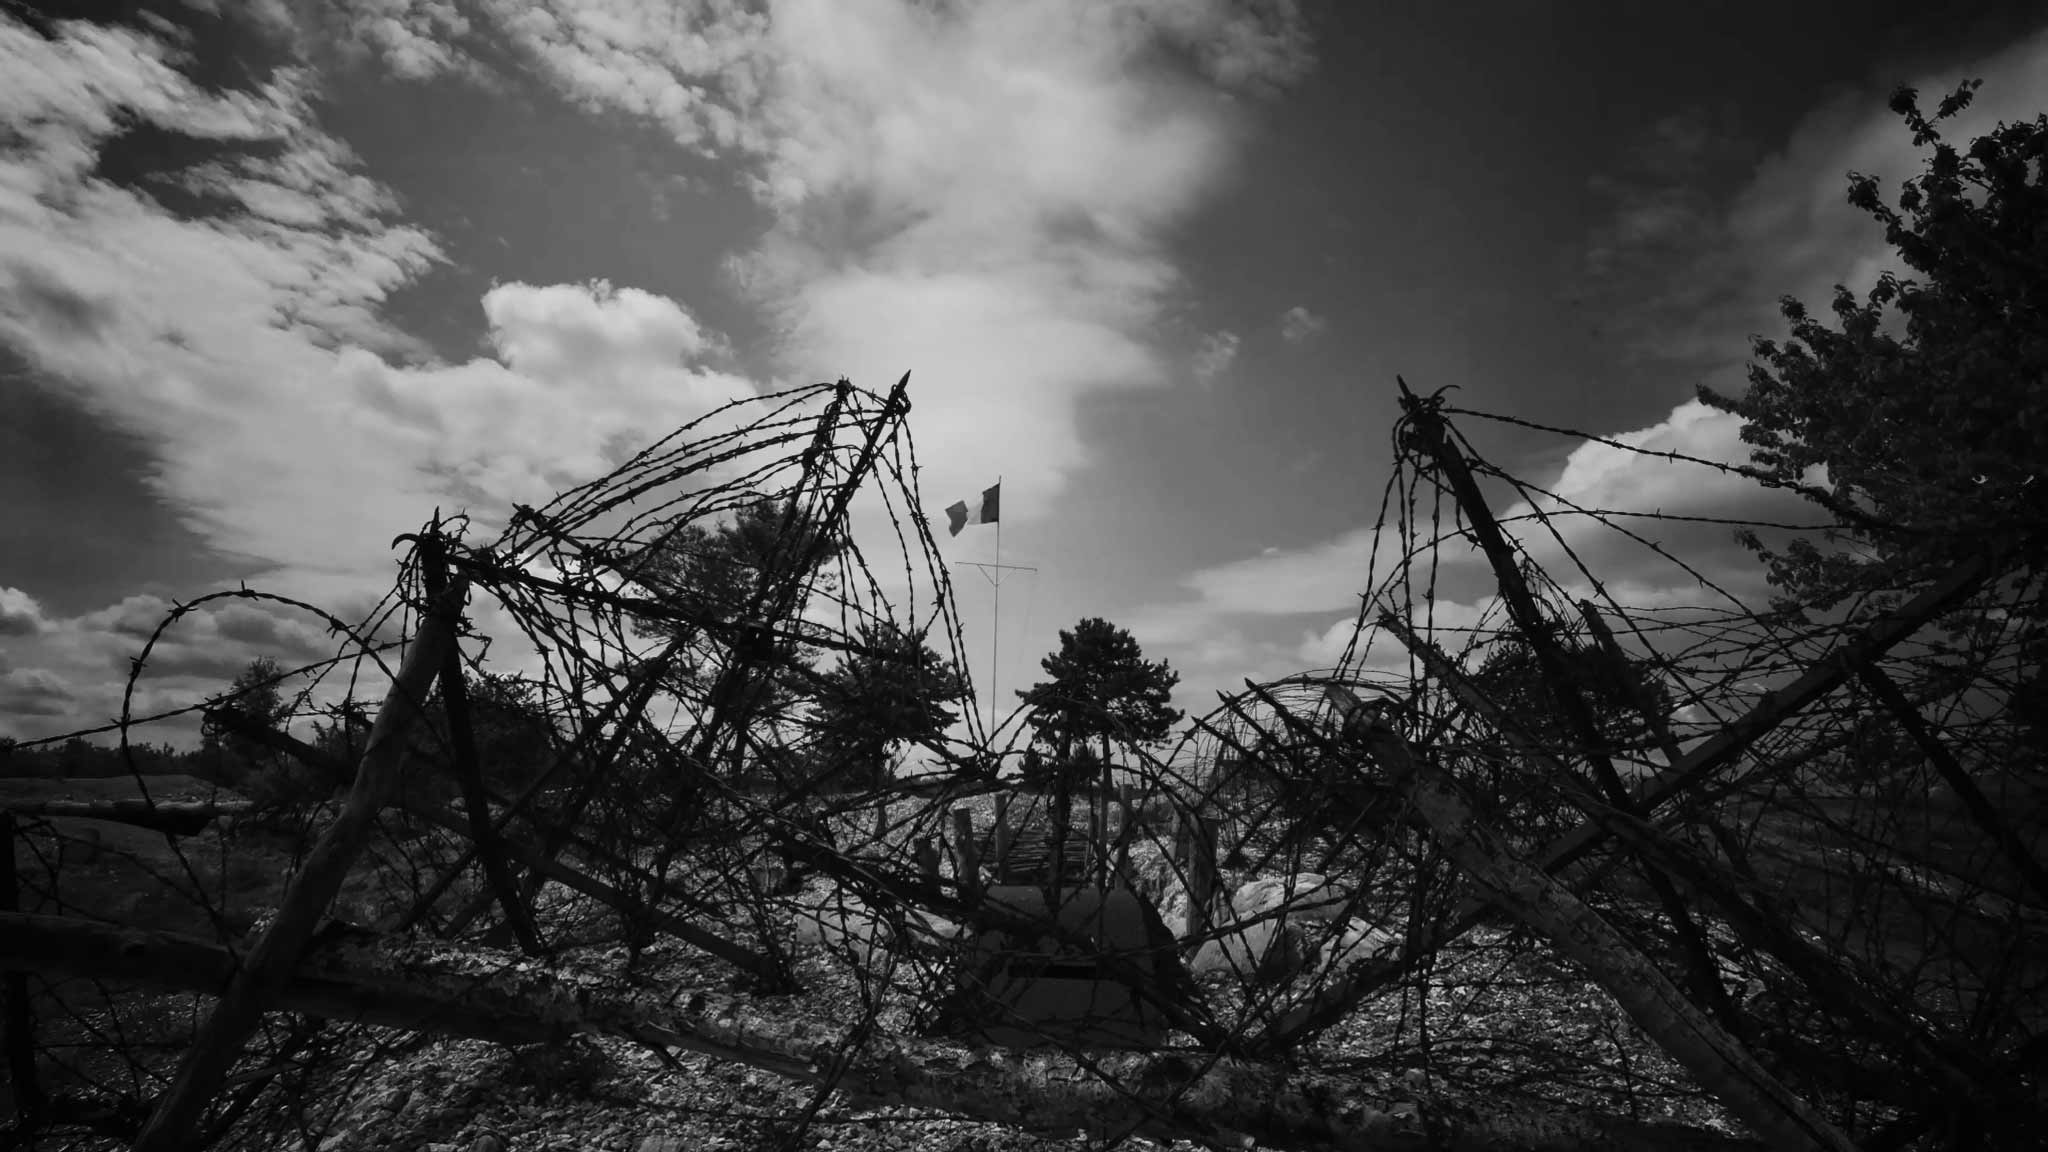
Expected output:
(993, 573)
(995, 639)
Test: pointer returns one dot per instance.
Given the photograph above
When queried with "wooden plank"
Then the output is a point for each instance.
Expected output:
(1691, 1037)
(483, 835)
(268, 967)
(967, 853)
(1098, 859)
(17, 1023)
(175, 817)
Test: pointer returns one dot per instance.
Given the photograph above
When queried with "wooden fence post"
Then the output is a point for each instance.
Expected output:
(17, 1024)
(268, 967)
(1001, 839)
(1124, 833)
(1717, 1060)
(967, 854)
(1098, 859)
(1201, 873)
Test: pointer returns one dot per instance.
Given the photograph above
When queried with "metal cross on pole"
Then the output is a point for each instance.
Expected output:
(993, 573)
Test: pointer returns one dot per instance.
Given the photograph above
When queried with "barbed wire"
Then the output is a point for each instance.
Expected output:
(682, 805)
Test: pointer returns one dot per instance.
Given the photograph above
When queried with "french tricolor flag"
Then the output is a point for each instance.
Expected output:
(982, 511)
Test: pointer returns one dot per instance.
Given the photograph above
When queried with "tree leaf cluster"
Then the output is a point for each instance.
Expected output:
(1100, 688)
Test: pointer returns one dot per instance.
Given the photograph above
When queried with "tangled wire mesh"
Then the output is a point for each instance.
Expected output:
(694, 792)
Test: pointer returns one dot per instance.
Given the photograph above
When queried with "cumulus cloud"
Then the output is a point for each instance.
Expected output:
(1678, 277)
(982, 192)
(1214, 355)
(976, 191)
(1697, 276)
(35, 694)
(1298, 324)
(20, 615)
(291, 420)
(69, 673)
(1584, 506)
(414, 39)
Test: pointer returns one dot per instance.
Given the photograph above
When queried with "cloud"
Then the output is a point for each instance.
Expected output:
(20, 615)
(35, 692)
(980, 192)
(1680, 278)
(1214, 355)
(1298, 324)
(69, 672)
(1450, 625)
(1655, 563)
(291, 421)
(414, 39)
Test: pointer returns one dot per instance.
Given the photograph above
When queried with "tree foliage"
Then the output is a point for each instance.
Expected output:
(1101, 688)
(1927, 401)
(272, 781)
(728, 571)
(1614, 686)
(894, 691)
(735, 573)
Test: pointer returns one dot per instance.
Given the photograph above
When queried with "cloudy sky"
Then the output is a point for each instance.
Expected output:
(279, 276)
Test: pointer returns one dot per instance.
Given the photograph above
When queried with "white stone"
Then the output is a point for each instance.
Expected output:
(840, 923)
(1357, 941)
(1173, 909)
(1268, 952)
(1307, 896)
(934, 931)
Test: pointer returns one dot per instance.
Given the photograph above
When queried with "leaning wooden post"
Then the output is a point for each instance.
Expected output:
(468, 770)
(1124, 834)
(1001, 840)
(268, 967)
(1098, 858)
(1974, 801)
(17, 1024)
(1717, 1060)
(1537, 631)
(967, 854)
(1201, 870)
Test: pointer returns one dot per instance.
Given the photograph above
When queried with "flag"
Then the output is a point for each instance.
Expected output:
(982, 511)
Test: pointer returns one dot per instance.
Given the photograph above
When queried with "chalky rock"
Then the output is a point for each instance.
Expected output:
(1358, 941)
(1269, 952)
(934, 932)
(1173, 909)
(841, 923)
(1307, 896)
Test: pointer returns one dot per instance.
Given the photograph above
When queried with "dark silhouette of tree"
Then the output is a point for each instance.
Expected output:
(1927, 402)
(1080, 768)
(253, 695)
(1615, 687)
(514, 735)
(1102, 689)
(269, 779)
(871, 702)
(738, 573)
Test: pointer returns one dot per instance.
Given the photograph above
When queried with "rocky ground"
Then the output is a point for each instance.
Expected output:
(1492, 1018)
